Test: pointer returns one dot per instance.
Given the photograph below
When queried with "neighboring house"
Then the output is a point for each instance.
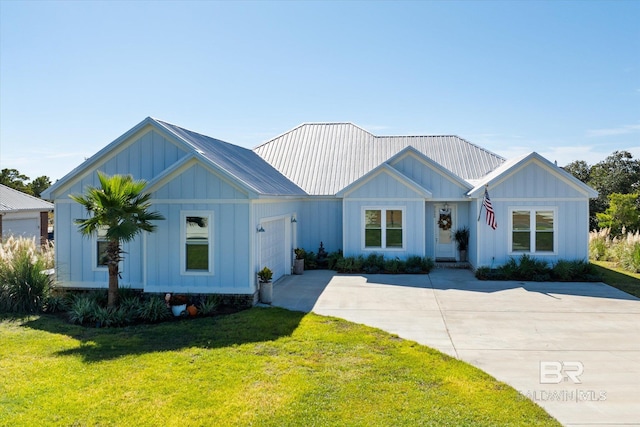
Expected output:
(23, 215)
(230, 211)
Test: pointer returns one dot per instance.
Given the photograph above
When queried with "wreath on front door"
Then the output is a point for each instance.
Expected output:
(445, 221)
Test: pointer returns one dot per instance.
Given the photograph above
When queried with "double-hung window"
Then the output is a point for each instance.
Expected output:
(383, 228)
(533, 230)
(101, 247)
(196, 248)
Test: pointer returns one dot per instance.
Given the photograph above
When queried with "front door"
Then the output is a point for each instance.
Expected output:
(445, 223)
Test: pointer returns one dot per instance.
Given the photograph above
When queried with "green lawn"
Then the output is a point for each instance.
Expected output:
(263, 366)
(618, 278)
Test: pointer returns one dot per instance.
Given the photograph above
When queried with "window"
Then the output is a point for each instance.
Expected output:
(383, 228)
(101, 246)
(533, 230)
(196, 243)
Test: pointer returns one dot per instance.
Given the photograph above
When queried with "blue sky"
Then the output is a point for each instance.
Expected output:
(559, 78)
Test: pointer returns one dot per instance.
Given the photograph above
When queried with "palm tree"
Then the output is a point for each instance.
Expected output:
(120, 207)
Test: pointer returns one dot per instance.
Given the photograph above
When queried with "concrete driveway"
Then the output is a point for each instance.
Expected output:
(573, 348)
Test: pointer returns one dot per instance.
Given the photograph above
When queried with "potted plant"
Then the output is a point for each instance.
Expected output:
(177, 303)
(266, 287)
(461, 237)
(298, 263)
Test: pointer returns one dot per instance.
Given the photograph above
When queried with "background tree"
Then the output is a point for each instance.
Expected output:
(14, 179)
(621, 214)
(39, 184)
(580, 169)
(120, 207)
(618, 173)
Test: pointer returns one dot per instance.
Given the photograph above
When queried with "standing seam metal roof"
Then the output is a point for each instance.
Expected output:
(242, 163)
(13, 201)
(323, 158)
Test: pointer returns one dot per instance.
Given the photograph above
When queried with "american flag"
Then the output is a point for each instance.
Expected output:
(491, 216)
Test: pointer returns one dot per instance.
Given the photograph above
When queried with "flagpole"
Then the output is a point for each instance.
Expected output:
(482, 204)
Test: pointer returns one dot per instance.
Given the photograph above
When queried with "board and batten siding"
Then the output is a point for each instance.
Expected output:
(382, 190)
(76, 255)
(230, 250)
(413, 227)
(534, 187)
(441, 186)
(200, 190)
(144, 156)
(320, 220)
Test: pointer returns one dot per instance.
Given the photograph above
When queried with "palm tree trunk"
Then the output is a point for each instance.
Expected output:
(113, 255)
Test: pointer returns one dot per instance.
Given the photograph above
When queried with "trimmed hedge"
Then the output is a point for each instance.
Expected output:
(530, 269)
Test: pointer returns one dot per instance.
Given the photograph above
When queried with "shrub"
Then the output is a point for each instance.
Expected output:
(530, 268)
(209, 305)
(563, 270)
(333, 258)
(413, 265)
(24, 287)
(310, 261)
(486, 273)
(56, 303)
(129, 308)
(82, 310)
(373, 264)
(427, 264)
(154, 310)
(394, 265)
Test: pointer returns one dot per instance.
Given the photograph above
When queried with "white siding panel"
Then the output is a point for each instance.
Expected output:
(24, 224)
(384, 185)
(439, 185)
(533, 181)
(230, 251)
(198, 183)
(320, 221)
(273, 251)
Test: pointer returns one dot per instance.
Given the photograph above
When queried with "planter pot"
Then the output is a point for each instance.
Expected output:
(298, 266)
(177, 310)
(266, 292)
(463, 256)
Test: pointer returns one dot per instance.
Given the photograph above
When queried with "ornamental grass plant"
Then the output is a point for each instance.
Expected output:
(24, 282)
(623, 251)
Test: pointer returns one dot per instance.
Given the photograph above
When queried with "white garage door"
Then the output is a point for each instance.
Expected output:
(273, 247)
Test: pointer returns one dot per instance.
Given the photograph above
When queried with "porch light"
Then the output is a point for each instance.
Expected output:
(293, 220)
(260, 229)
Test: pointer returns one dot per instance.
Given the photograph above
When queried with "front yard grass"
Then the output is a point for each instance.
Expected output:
(618, 277)
(263, 366)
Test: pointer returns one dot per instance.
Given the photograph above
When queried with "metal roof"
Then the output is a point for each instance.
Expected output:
(15, 201)
(323, 158)
(241, 163)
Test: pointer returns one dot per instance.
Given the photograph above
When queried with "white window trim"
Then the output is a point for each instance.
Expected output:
(94, 254)
(183, 243)
(382, 210)
(532, 225)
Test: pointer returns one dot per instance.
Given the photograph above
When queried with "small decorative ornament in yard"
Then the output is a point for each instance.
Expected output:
(177, 303)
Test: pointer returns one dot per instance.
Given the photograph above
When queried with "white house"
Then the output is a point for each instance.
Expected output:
(22, 215)
(230, 211)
